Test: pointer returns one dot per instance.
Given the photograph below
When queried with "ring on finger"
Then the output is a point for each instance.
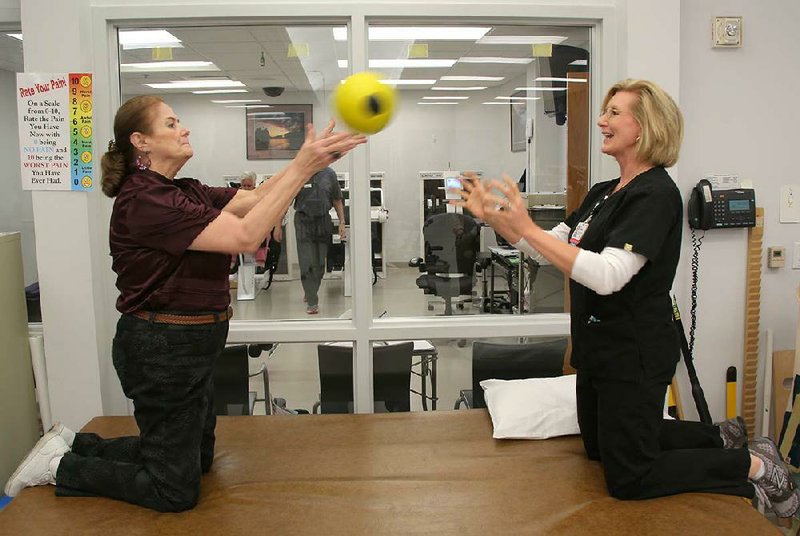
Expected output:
(336, 155)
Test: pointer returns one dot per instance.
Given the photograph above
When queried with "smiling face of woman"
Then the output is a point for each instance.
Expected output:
(619, 127)
(167, 144)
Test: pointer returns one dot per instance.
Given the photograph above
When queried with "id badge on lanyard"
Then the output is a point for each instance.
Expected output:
(580, 229)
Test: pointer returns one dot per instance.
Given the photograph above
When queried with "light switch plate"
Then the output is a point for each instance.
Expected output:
(726, 32)
(789, 209)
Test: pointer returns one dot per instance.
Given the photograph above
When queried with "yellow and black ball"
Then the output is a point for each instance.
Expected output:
(364, 103)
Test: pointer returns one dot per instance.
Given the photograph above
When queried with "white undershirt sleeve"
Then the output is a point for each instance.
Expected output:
(608, 271)
(560, 231)
(605, 272)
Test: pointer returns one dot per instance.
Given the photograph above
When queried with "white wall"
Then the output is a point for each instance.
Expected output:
(742, 117)
(16, 209)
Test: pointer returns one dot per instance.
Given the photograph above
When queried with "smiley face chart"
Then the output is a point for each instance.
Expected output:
(54, 111)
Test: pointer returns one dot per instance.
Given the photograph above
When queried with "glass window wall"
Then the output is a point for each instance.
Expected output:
(246, 93)
(487, 98)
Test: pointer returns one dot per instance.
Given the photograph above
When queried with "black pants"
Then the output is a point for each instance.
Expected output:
(313, 238)
(167, 371)
(646, 456)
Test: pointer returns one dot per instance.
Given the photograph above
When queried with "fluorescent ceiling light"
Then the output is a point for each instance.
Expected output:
(408, 82)
(551, 79)
(404, 64)
(540, 89)
(470, 88)
(417, 33)
(437, 103)
(196, 84)
(154, 66)
(518, 98)
(494, 59)
(249, 106)
(135, 39)
(214, 91)
(471, 78)
(579, 62)
(15, 35)
(235, 101)
(521, 39)
(445, 98)
(497, 102)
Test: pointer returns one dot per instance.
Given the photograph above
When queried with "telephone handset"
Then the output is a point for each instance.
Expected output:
(701, 206)
(710, 209)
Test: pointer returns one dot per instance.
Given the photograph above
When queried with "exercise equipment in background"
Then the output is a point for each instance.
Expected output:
(752, 320)
(790, 450)
(730, 393)
(697, 390)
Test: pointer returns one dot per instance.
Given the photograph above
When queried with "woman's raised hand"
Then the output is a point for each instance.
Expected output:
(320, 151)
(472, 194)
(507, 214)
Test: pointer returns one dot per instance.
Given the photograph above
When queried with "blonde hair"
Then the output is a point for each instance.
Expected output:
(658, 116)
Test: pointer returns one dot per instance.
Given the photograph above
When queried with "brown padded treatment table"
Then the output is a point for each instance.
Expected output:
(402, 473)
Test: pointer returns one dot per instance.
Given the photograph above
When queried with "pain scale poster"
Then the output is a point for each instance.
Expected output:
(54, 112)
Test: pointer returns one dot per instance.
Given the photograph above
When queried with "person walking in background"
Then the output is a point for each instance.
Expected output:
(314, 229)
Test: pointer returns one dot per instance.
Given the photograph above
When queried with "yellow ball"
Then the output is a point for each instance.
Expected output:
(364, 103)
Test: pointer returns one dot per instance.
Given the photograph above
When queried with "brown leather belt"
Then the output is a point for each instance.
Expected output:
(184, 320)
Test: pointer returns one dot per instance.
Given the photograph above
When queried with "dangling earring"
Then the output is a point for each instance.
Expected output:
(142, 162)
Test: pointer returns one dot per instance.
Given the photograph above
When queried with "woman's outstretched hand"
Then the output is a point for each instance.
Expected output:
(321, 150)
(507, 214)
(473, 195)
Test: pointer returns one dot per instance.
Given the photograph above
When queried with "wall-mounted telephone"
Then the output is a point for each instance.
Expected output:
(721, 209)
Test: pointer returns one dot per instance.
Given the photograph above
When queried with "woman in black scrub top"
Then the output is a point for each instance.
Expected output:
(621, 249)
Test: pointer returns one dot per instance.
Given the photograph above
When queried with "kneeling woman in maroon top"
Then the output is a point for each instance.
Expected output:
(171, 240)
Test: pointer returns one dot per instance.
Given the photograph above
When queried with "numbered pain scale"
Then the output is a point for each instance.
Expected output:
(54, 112)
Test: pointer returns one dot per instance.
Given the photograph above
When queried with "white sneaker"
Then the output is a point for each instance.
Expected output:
(66, 434)
(35, 468)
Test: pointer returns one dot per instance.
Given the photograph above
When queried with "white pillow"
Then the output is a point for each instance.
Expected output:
(535, 408)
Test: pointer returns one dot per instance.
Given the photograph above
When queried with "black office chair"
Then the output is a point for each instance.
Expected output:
(232, 382)
(543, 359)
(391, 373)
(452, 242)
(232, 395)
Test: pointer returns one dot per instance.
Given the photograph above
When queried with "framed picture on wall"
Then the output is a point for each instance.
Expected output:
(276, 132)
(518, 119)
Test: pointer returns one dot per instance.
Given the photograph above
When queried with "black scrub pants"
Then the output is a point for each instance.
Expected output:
(645, 455)
(166, 370)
